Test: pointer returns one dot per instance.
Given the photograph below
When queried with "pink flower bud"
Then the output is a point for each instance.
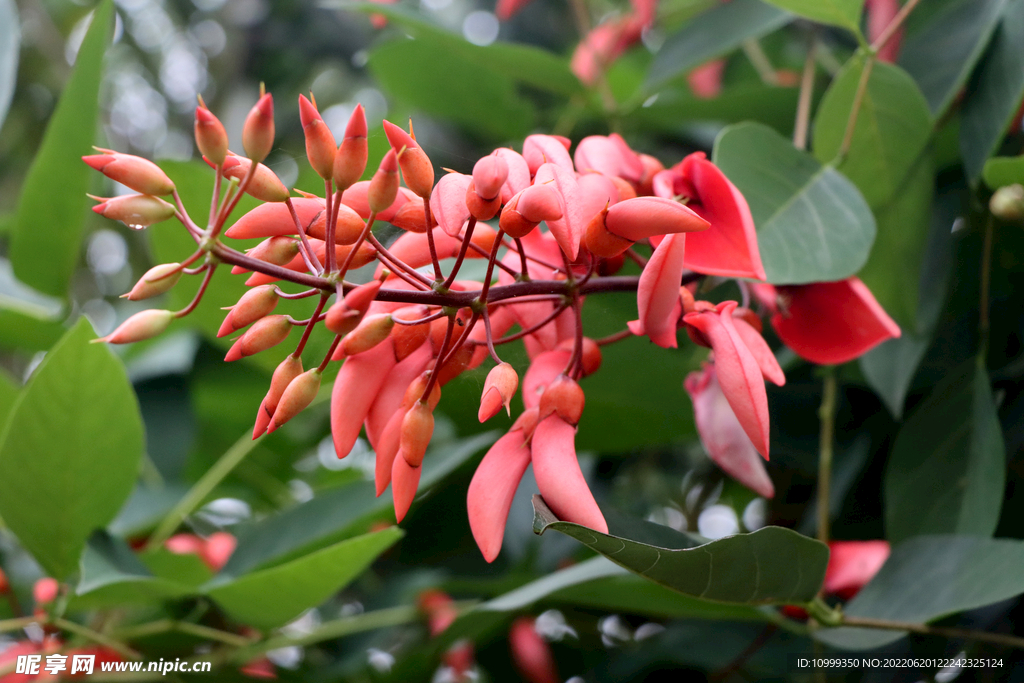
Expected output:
(258, 131)
(254, 304)
(417, 428)
(512, 222)
(135, 210)
(405, 479)
(565, 398)
(531, 653)
(211, 138)
(480, 208)
(384, 184)
(265, 185)
(278, 250)
(45, 591)
(417, 170)
(499, 388)
(157, 280)
(299, 394)
(372, 330)
(264, 333)
(600, 241)
(320, 149)
(852, 564)
(142, 325)
(141, 175)
(288, 370)
(489, 174)
(350, 160)
(217, 550)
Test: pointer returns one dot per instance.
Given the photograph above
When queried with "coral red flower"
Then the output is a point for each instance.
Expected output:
(852, 564)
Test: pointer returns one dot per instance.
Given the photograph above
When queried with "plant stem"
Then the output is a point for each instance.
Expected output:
(762, 65)
(894, 25)
(803, 109)
(827, 415)
(312, 323)
(438, 276)
(858, 99)
(96, 637)
(968, 634)
(8, 625)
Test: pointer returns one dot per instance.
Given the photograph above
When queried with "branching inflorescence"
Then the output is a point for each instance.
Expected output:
(565, 225)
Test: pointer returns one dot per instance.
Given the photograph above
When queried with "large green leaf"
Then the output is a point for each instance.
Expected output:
(272, 597)
(712, 34)
(930, 577)
(995, 92)
(889, 368)
(947, 468)
(770, 566)
(1003, 171)
(28, 332)
(112, 575)
(677, 107)
(8, 395)
(812, 223)
(941, 55)
(10, 41)
(844, 13)
(71, 451)
(47, 233)
(892, 129)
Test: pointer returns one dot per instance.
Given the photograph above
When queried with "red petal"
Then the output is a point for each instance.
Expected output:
(404, 481)
(851, 564)
(761, 351)
(448, 202)
(658, 293)
(492, 490)
(355, 388)
(568, 230)
(559, 477)
(269, 220)
(542, 371)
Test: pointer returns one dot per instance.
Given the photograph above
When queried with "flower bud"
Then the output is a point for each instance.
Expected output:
(417, 170)
(489, 174)
(299, 394)
(415, 392)
(417, 428)
(258, 131)
(512, 221)
(564, 397)
(1008, 203)
(254, 304)
(499, 388)
(157, 280)
(600, 241)
(142, 325)
(264, 333)
(480, 208)
(289, 369)
(139, 174)
(591, 357)
(456, 364)
(320, 148)
(45, 591)
(344, 315)
(350, 160)
(135, 210)
(384, 185)
(278, 250)
(372, 330)
(211, 138)
(264, 185)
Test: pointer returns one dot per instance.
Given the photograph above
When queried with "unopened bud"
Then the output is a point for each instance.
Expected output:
(415, 392)
(372, 330)
(489, 174)
(211, 138)
(141, 175)
(564, 397)
(512, 222)
(590, 357)
(135, 210)
(499, 388)
(279, 250)
(289, 369)
(344, 316)
(417, 428)
(1007, 203)
(265, 333)
(254, 304)
(258, 131)
(45, 591)
(384, 185)
(143, 325)
(480, 208)
(299, 394)
(417, 170)
(350, 161)
(157, 280)
(320, 148)
(264, 185)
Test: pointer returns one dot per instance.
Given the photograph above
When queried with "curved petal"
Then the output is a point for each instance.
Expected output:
(658, 293)
(547, 149)
(492, 490)
(542, 371)
(641, 217)
(761, 351)
(559, 477)
(274, 218)
(357, 385)
(389, 398)
(567, 230)
(448, 202)
(405, 479)
(851, 564)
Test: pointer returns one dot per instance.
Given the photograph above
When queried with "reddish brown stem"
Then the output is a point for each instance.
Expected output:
(306, 249)
(199, 294)
(462, 253)
(311, 324)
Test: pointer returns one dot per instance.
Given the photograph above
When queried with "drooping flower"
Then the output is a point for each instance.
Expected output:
(852, 564)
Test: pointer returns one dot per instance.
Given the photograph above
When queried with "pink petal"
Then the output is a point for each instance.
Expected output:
(404, 481)
(357, 385)
(641, 217)
(568, 230)
(761, 351)
(492, 490)
(271, 219)
(542, 371)
(547, 149)
(387, 450)
(852, 564)
(880, 13)
(518, 173)
(597, 192)
(506, 9)
(389, 399)
(559, 477)
(658, 293)
(448, 202)
(706, 80)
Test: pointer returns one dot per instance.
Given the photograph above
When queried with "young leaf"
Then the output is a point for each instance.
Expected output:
(813, 225)
(1003, 171)
(10, 40)
(948, 465)
(770, 566)
(844, 13)
(47, 233)
(71, 450)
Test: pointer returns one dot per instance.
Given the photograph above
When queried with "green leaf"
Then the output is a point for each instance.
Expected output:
(994, 93)
(677, 107)
(47, 233)
(844, 13)
(113, 575)
(892, 129)
(813, 225)
(273, 597)
(714, 33)
(10, 42)
(947, 468)
(423, 73)
(889, 368)
(770, 566)
(930, 577)
(71, 451)
(182, 568)
(8, 395)
(1003, 171)
(941, 55)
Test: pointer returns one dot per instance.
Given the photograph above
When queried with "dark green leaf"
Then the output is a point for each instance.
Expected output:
(770, 566)
(947, 468)
(889, 368)
(145, 509)
(47, 232)
(994, 93)
(70, 454)
(677, 107)
(844, 13)
(1003, 171)
(892, 129)
(929, 577)
(941, 55)
(113, 575)
(272, 597)
(10, 40)
(714, 33)
(812, 223)
(182, 568)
